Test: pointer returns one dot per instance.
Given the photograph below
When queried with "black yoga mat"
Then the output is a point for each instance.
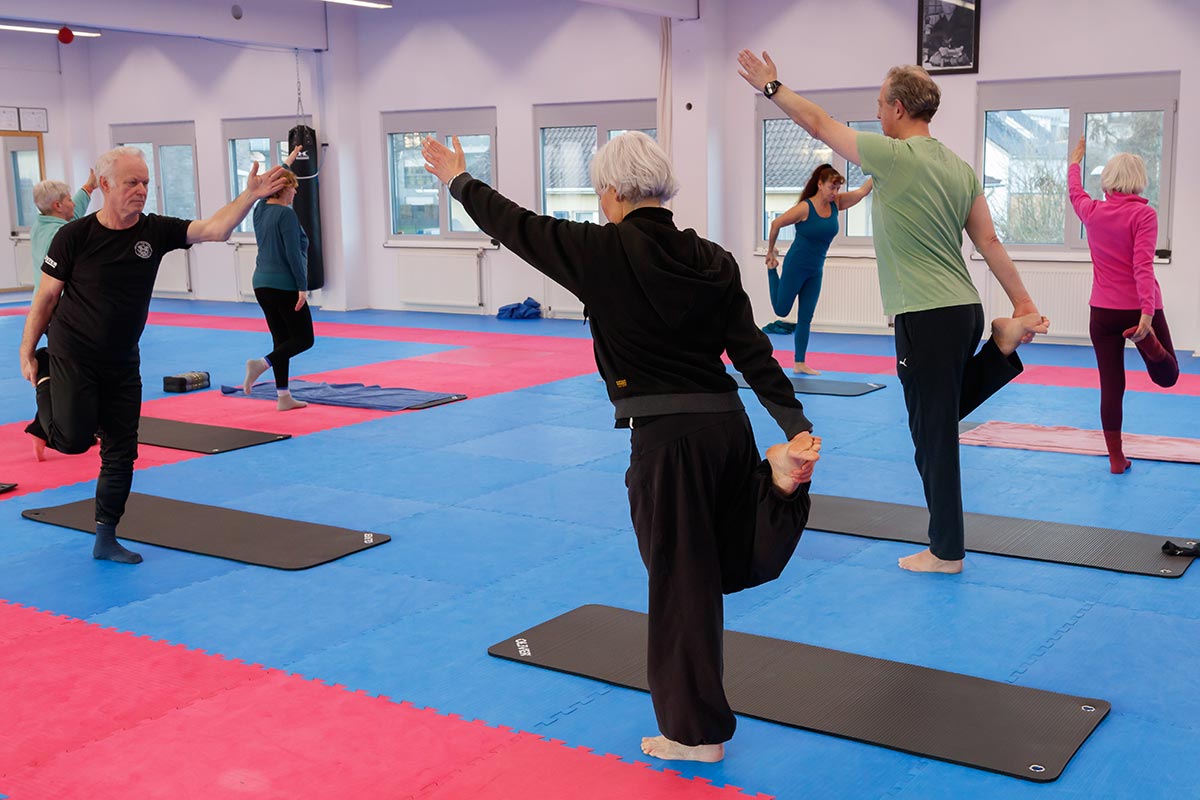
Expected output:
(822, 386)
(199, 438)
(221, 532)
(1013, 730)
(7, 487)
(1080, 545)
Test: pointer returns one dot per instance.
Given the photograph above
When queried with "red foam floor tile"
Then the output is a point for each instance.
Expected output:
(97, 713)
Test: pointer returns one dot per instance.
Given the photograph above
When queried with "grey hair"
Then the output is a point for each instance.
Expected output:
(915, 90)
(636, 167)
(47, 193)
(106, 165)
(1124, 172)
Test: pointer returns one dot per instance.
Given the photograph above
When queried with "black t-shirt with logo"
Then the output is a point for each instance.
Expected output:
(109, 277)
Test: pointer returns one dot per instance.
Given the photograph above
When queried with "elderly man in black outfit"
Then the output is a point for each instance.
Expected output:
(711, 516)
(94, 297)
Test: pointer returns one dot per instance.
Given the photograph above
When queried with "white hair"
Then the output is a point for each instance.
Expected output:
(636, 167)
(47, 193)
(1124, 172)
(106, 165)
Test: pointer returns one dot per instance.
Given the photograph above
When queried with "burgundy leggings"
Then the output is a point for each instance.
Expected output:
(1106, 327)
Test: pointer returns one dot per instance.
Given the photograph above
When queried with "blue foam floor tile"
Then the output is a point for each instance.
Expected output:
(274, 617)
(325, 506)
(427, 429)
(930, 620)
(582, 496)
(585, 387)
(1144, 663)
(617, 464)
(553, 445)
(65, 579)
(472, 548)
(524, 407)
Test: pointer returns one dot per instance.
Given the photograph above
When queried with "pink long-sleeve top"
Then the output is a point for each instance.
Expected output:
(1121, 231)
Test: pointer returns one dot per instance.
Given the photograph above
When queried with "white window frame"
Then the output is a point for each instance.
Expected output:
(443, 124)
(844, 105)
(1082, 96)
(274, 128)
(163, 134)
(607, 116)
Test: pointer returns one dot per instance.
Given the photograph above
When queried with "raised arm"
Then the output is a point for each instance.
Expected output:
(83, 197)
(1081, 201)
(555, 247)
(797, 213)
(854, 197)
(40, 311)
(220, 225)
(805, 113)
(983, 233)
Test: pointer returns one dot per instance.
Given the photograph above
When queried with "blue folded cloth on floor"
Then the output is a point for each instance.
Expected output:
(350, 395)
(526, 309)
(779, 326)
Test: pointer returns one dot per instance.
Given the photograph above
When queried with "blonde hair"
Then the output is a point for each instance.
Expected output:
(289, 182)
(915, 90)
(47, 193)
(1124, 172)
(636, 167)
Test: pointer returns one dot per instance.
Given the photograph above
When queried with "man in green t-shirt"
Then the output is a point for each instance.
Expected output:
(925, 197)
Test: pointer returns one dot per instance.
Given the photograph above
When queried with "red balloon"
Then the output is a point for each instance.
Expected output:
(66, 35)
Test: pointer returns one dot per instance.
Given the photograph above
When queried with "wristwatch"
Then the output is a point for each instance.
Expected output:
(771, 88)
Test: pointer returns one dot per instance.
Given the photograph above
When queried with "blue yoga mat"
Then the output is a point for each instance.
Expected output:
(351, 395)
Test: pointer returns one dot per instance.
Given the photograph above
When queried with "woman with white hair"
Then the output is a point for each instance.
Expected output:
(1126, 301)
(53, 199)
(711, 517)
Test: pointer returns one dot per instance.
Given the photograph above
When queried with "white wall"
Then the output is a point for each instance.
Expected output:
(462, 53)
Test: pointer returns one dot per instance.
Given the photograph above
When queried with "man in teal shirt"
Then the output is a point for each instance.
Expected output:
(53, 199)
(925, 197)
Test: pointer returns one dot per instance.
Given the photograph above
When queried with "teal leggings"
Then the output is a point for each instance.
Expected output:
(806, 286)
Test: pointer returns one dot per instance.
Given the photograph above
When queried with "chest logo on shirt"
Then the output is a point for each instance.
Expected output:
(143, 249)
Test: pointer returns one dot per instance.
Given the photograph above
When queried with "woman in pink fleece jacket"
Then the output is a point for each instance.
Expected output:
(1126, 301)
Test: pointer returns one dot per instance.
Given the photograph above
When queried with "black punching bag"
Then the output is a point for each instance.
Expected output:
(308, 199)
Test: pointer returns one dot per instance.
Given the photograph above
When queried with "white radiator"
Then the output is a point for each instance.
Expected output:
(850, 297)
(1061, 292)
(559, 302)
(174, 277)
(245, 256)
(431, 280)
(23, 253)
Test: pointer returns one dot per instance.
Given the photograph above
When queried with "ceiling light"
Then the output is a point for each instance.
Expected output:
(34, 27)
(364, 3)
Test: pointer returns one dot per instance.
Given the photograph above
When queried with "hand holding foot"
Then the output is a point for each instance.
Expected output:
(1010, 332)
(664, 748)
(792, 462)
(926, 561)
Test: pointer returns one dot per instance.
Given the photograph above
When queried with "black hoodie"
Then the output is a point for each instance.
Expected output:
(664, 304)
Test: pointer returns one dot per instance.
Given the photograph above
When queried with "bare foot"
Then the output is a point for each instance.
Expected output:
(255, 367)
(792, 462)
(39, 447)
(664, 748)
(1010, 332)
(926, 561)
(800, 368)
(287, 403)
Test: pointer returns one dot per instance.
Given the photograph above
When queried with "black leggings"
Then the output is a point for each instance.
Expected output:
(709, 522)
(291, 330)
(83, 399)
(1106, 327)
(944, 379)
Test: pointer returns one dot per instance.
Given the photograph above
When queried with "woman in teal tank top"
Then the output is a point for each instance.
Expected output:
(816, 219)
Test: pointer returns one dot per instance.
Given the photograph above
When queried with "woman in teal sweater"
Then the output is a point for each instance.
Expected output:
(281, 288)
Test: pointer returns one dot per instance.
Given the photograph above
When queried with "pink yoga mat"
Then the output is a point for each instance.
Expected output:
(1061, 439)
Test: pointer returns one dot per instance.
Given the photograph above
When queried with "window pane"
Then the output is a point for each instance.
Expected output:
(651, 132)
(178, 162)
(567, 191)
(147, 149)
(414, 191)
(25, 174)
(1137, 132)
(858, 218)
(1025, 173)
(478, 148)
(242, 154)
(789, 157)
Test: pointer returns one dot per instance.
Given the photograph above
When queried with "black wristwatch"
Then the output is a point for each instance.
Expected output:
(771, 88)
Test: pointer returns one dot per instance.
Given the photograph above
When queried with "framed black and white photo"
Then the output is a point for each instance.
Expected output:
(948, 36)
